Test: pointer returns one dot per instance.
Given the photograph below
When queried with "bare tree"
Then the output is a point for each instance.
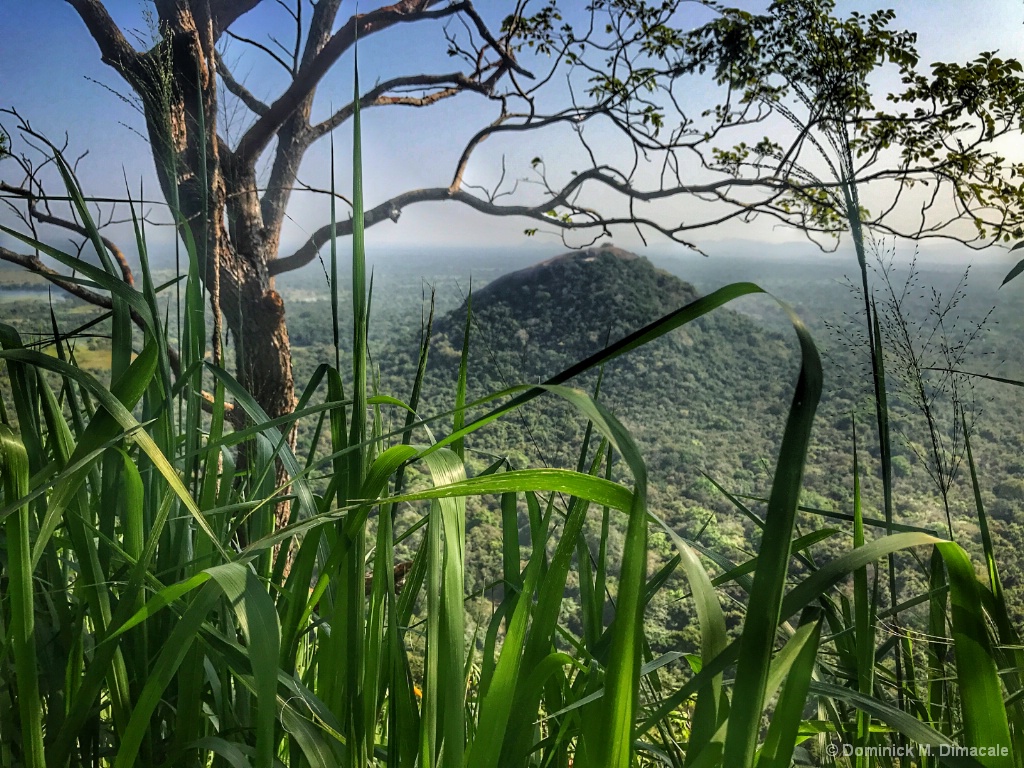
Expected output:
(619, 68)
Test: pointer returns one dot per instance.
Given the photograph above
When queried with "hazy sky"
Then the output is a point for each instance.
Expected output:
(51, 73)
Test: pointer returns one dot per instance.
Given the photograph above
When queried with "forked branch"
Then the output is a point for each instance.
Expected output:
(115, 49)
(45, 217)
(314, 69)
(35, 265)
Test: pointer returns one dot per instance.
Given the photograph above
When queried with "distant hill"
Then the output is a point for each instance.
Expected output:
(710, 395)
(568, 305)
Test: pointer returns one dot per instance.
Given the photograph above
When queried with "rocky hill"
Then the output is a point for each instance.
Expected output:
(711, 395)
(567, 306)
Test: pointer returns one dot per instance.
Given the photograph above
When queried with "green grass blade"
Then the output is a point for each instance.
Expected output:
(830, 574)
(335, 327)
(121, 321)
(14, 466)
(258, 622)
(127, 423)
(707, 713)
(916, 731)
(118, 288)
(758, 639)
(23, 382)
(939, 711)
(981, 695)
(994, 582)
(508, 725)
(800, 648)
(174, 650)
(1017, 269)
(864, 612)
(443, 725)
(608, 737)
(282, 449)
(161, 599)
(784, 727)
(496, 705)
(1009, 637)
(460, 387)
(565, 481)
(128, 390)
(360, 320)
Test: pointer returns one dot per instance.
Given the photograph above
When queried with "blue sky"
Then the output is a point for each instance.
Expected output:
(51, 72)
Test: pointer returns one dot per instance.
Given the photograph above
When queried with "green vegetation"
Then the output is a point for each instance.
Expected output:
(155, 614)
(183, 584)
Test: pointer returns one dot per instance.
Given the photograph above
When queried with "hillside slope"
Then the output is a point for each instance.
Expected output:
(709, 396)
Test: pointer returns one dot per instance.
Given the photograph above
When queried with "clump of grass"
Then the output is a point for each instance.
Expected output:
(155, 614)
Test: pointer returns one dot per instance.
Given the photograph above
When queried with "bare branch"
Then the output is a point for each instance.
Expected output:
(392, 209)
(43, 217)
(320, 25)
(238, 90)
(454, 83)
(500, 49)
(225, 12)
(115, 49)
(262, 47)
(295, 59)
(34, 265)
(312, 72)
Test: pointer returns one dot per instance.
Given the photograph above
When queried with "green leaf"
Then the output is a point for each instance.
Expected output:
(783, 729)
(915, 730)
(981, 695)
(257, 618)
(14, 469)
(766, 597)
(443, 723)
(171, 656)
(1016, 270)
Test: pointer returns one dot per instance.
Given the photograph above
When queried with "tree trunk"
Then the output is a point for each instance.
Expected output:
(255, 316)
(217, 197)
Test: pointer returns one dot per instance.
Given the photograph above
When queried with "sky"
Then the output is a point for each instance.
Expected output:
(51, 73)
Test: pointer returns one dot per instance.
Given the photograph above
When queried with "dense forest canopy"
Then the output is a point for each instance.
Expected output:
(272, 496)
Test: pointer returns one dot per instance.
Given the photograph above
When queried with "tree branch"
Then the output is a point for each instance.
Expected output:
(392, 209)
(320, 25)
(238, 90)
(72, 226)
(262, 131)
(225, 12)
(293, 134)
(35, 265)
(501, 50)
(456, 82)
(580, 218)
(262, 47)
(115, 49)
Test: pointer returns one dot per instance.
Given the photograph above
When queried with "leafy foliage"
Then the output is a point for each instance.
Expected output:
(158, 614)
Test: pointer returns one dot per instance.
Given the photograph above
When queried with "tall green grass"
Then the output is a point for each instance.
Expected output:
(152, 614)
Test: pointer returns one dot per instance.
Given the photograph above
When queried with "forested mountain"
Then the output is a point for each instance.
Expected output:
(707, 402)
(706, 381)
